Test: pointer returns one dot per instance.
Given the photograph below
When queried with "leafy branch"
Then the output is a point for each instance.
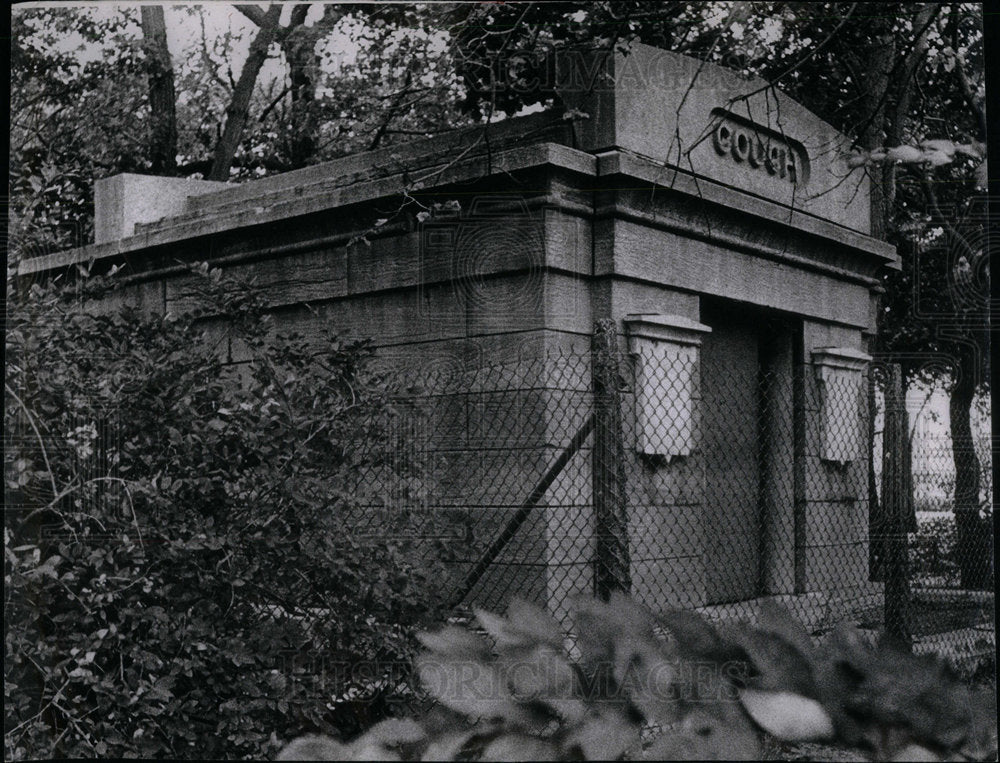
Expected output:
(627, 684)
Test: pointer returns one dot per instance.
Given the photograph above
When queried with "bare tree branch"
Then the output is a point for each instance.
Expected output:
(978, 112)
(162, 95)
(210, 65)
(904, 93)
(945, 221)
(252, 12)
(38, 435)
(390, 112)
(274, 102)
(238, 109)
(900, 60)
(812, 52)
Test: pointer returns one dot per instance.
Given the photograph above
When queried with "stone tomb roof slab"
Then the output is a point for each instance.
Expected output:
(651, 115)
(712, 123)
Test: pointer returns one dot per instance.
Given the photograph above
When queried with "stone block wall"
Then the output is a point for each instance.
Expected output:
(833, 506)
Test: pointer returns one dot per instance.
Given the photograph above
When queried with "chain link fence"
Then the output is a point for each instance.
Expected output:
(696, 475)
(934, 473)
(691, 478)
(938, 563)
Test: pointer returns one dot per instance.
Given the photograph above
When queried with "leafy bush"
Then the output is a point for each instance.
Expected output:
(934, 557)
(932, 547)
(636, 686)
(179, 541)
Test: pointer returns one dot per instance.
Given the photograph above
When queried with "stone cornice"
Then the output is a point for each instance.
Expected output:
(842, 358)
(675, 329)
(626, 165)
(238, 209)
(316, 197)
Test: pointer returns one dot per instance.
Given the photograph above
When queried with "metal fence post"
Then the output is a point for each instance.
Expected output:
(895, 492)
(530, 503)
(610, 516)
(876, 509)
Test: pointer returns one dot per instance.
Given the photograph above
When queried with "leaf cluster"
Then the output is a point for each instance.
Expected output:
(74, 116)
(184, 572)
(627, 684)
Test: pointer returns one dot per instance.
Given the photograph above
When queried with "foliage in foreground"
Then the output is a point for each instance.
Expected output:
(638, 686)
(178, 531)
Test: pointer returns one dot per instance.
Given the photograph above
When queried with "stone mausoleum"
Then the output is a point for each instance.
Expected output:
(711, 219)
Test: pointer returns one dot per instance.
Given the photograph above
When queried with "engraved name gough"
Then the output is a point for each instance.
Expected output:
(759, 148)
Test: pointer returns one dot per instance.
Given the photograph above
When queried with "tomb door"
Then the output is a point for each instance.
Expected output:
(732, 521)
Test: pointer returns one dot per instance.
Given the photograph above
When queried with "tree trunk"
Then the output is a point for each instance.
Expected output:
(909, 519)
(299, 49)
(877, 71)
(612, 568)
(239, 107)
(162, 96)
(902, 87)
(876, 514)
(973, 538)
(895, 494)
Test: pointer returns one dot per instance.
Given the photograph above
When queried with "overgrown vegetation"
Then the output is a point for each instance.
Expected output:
(934, 549)
(178, 531)
(637, 686)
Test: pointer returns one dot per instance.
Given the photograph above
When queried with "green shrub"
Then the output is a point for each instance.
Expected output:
(180, 539)
(636, 686)
(932, 547)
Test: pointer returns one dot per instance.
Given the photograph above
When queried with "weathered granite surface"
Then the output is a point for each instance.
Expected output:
(708, 122)
(127, 201)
